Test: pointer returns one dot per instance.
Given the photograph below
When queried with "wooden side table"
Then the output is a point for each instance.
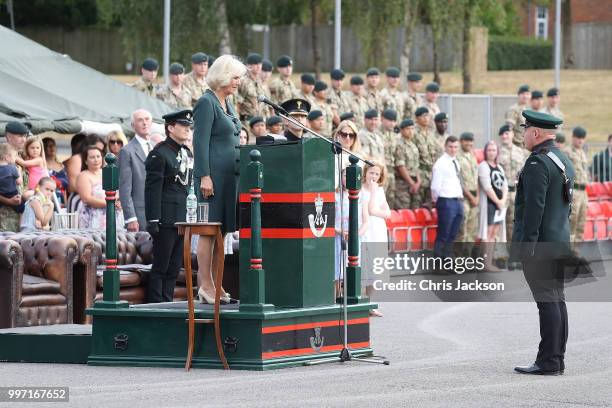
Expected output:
(211, 229)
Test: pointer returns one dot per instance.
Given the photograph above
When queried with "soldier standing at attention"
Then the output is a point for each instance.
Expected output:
(336, 95)
(575, 152)
(357, 103)
(511, 158)
(175, 94)
(307, 84)
(323, 104)
(468, 167)
(408, 179)
(265, 75)
(441, 125)
(552, 105)
(372, 92)
(372, 144)
(274, 125)
(537, 101)
(429, 151)
(195, 81)
(146, 83)
(390, 139)
(250, 88)
(282, 88)
(169, 176)
(316, 122)
(413, 100)
(391, 97)
(432, 92)
(514, 115)
(542, 210)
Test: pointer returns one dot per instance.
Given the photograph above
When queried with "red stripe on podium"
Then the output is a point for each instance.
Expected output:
(310, 350)
(302, 326)
(328, 197)
(287, 233)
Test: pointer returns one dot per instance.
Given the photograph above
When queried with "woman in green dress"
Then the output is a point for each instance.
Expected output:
(216, 141)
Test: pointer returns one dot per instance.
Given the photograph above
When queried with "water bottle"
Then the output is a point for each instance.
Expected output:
(192, 205)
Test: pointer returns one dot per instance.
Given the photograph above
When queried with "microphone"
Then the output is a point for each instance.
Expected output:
(262, 98)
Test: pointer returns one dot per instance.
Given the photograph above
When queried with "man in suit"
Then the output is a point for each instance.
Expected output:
(132, 171)
(541, 235)
(169, 174)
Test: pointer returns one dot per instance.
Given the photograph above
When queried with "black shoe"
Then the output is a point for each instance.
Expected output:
(534, 369)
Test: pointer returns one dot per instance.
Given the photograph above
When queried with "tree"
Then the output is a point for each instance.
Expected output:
(469, 10)
(411, 9)
(439, 20)
(313, 32)
(223, 28)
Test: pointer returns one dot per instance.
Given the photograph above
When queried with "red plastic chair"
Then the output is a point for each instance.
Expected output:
(479, 153)
(600, 191)
(606, 208)
(409, 235)
(598, 220)
(398, 235)
(608, 187)
(591, 193)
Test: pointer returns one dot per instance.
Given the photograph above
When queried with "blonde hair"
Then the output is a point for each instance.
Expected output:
(31, 140)
(383, 170)
(223, 70)
(118, 134)
(356, 147)
(5, 150)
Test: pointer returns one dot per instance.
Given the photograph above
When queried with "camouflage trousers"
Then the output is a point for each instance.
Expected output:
(425, 192)
(578, 217)
(469, 227)
(389, 186)
(9, 219)
(510, 215)
(403, 197)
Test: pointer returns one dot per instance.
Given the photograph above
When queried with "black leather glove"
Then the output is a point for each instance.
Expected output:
(153, 228)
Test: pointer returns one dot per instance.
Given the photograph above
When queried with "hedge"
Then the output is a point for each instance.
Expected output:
(518, 53)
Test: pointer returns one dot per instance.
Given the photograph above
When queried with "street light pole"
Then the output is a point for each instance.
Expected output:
(337, 34)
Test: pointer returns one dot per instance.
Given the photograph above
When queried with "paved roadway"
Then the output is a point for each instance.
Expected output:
(442, 354)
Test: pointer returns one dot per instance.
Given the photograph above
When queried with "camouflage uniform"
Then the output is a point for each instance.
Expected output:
(515, 119)
(180, 101)
(194, 86)
(468, 166)
(373, 99)
(372, 145)
(434, 109)
(282, 90)
(358, 105)
(407, 155)
(511, 159)
(328, 113)
(390, 140)
(148, 88)
(411, 103)
(393, 99)
(246, 99)
(556, 112)
(441, 139)
(310, 97)
(428, 146)
(340, 99)
(579, 198)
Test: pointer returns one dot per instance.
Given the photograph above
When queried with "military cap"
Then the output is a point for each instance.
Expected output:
(440, 117)
(254, 58)
(16, 128)
(504, 128)
(211, 59)
(389, 114)
(370, 114)
(273, 120)
(176, 69)
(314, 114)
(373, 71)
(296, 106)
(347, 116)
(199, 57)
(552, 92)
(320, 86)
(182, 117)
(405, 123)
(579, 132)
(308, 79)
(150, 64)
(559, 137)
(284, 61)
(414, 76)
(255, 120)
(337, 74)
(523, 88)
(266, 66)
(432, 87)
(540, 119)
(466, 136)
(536, 94)
(356, 80)
(421, 111)
(392, 72)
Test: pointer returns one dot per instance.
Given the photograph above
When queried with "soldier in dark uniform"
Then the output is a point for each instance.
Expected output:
(169, 169)
(297, 109)
(541, 236)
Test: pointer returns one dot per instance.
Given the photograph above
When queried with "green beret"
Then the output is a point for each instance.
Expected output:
(373, 71)
(559, 137)
(320, 86)
(523, 88)
(255, 120)
(273, 120)
(392, 72)
(16, 128)
(421, 111)
(552, 92)
(541, 120)
(254, 58)
(337, 74)
(356, 80)
(315, 114)
(182, 117)
(432, 87)
(347, 116)
(466, 136)
(266, 66)
(414, 76)
(176, 69)
(536, 94)
(284, 61)
(405, 123)
(579, 132)
(370, 114)
(308, 79)
(150, 64)
(198, 58)
(504, 128)
(440, 117)
(389, 114)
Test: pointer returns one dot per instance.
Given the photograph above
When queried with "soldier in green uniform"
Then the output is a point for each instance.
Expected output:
(357, 102)
(372, 93)
(514, 115)
(541, 235)
(146, 83)
(390, 138)
(195, 81)
(408, 178)
(250, 88)
(511, 158)
(412, 99)
(430, 101)
(372, 144)
(391, 96)
(257, 127)
(441, 125)
(307, 84)
(559, 139)
(468, 166)
(552, 104)
(169, 176)
(175, 94)
(336, 95)
(316, 121)
(536, 103)
(265, 75)
(274, 125)
(323, 104)
(429, 151)
(575, 152)
(282, 88)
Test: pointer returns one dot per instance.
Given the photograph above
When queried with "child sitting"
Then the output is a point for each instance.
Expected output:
(39, 208)
(10, 177)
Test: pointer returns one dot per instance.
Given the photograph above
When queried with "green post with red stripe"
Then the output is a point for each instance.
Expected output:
(353, 270)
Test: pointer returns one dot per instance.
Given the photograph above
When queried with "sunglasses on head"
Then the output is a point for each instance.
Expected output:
(115, 142)
(346, 134)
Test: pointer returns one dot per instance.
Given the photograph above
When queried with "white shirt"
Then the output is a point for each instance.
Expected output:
(144, 144)
(445, 180)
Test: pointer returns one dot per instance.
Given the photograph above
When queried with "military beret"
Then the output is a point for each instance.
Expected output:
(432, 87)
(373, 71)
(314, 114)
(150, 64)
(540, 119)
(393, 72)
(389, 114)
(370, 114)
(254, 58)
(284, 61)
(296, 106)
(308, 79)
(182, 117)
(440, 117)
(414, 76)
(337, 74)
(266, 66)
(16, 128)
(552, 92)
(176, 69)
(255, 120)
(356, 80)
(536, 94)
(504, 128)
(466, 136)
(523, 88)
(347, 116)
(320, 86)
(421, 111)
(273, 120)
(199, 57)
(405, 123)
(211, 59)
(559, 137)
(579, 132)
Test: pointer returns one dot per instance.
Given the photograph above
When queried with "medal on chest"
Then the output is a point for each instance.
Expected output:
(185, 167)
